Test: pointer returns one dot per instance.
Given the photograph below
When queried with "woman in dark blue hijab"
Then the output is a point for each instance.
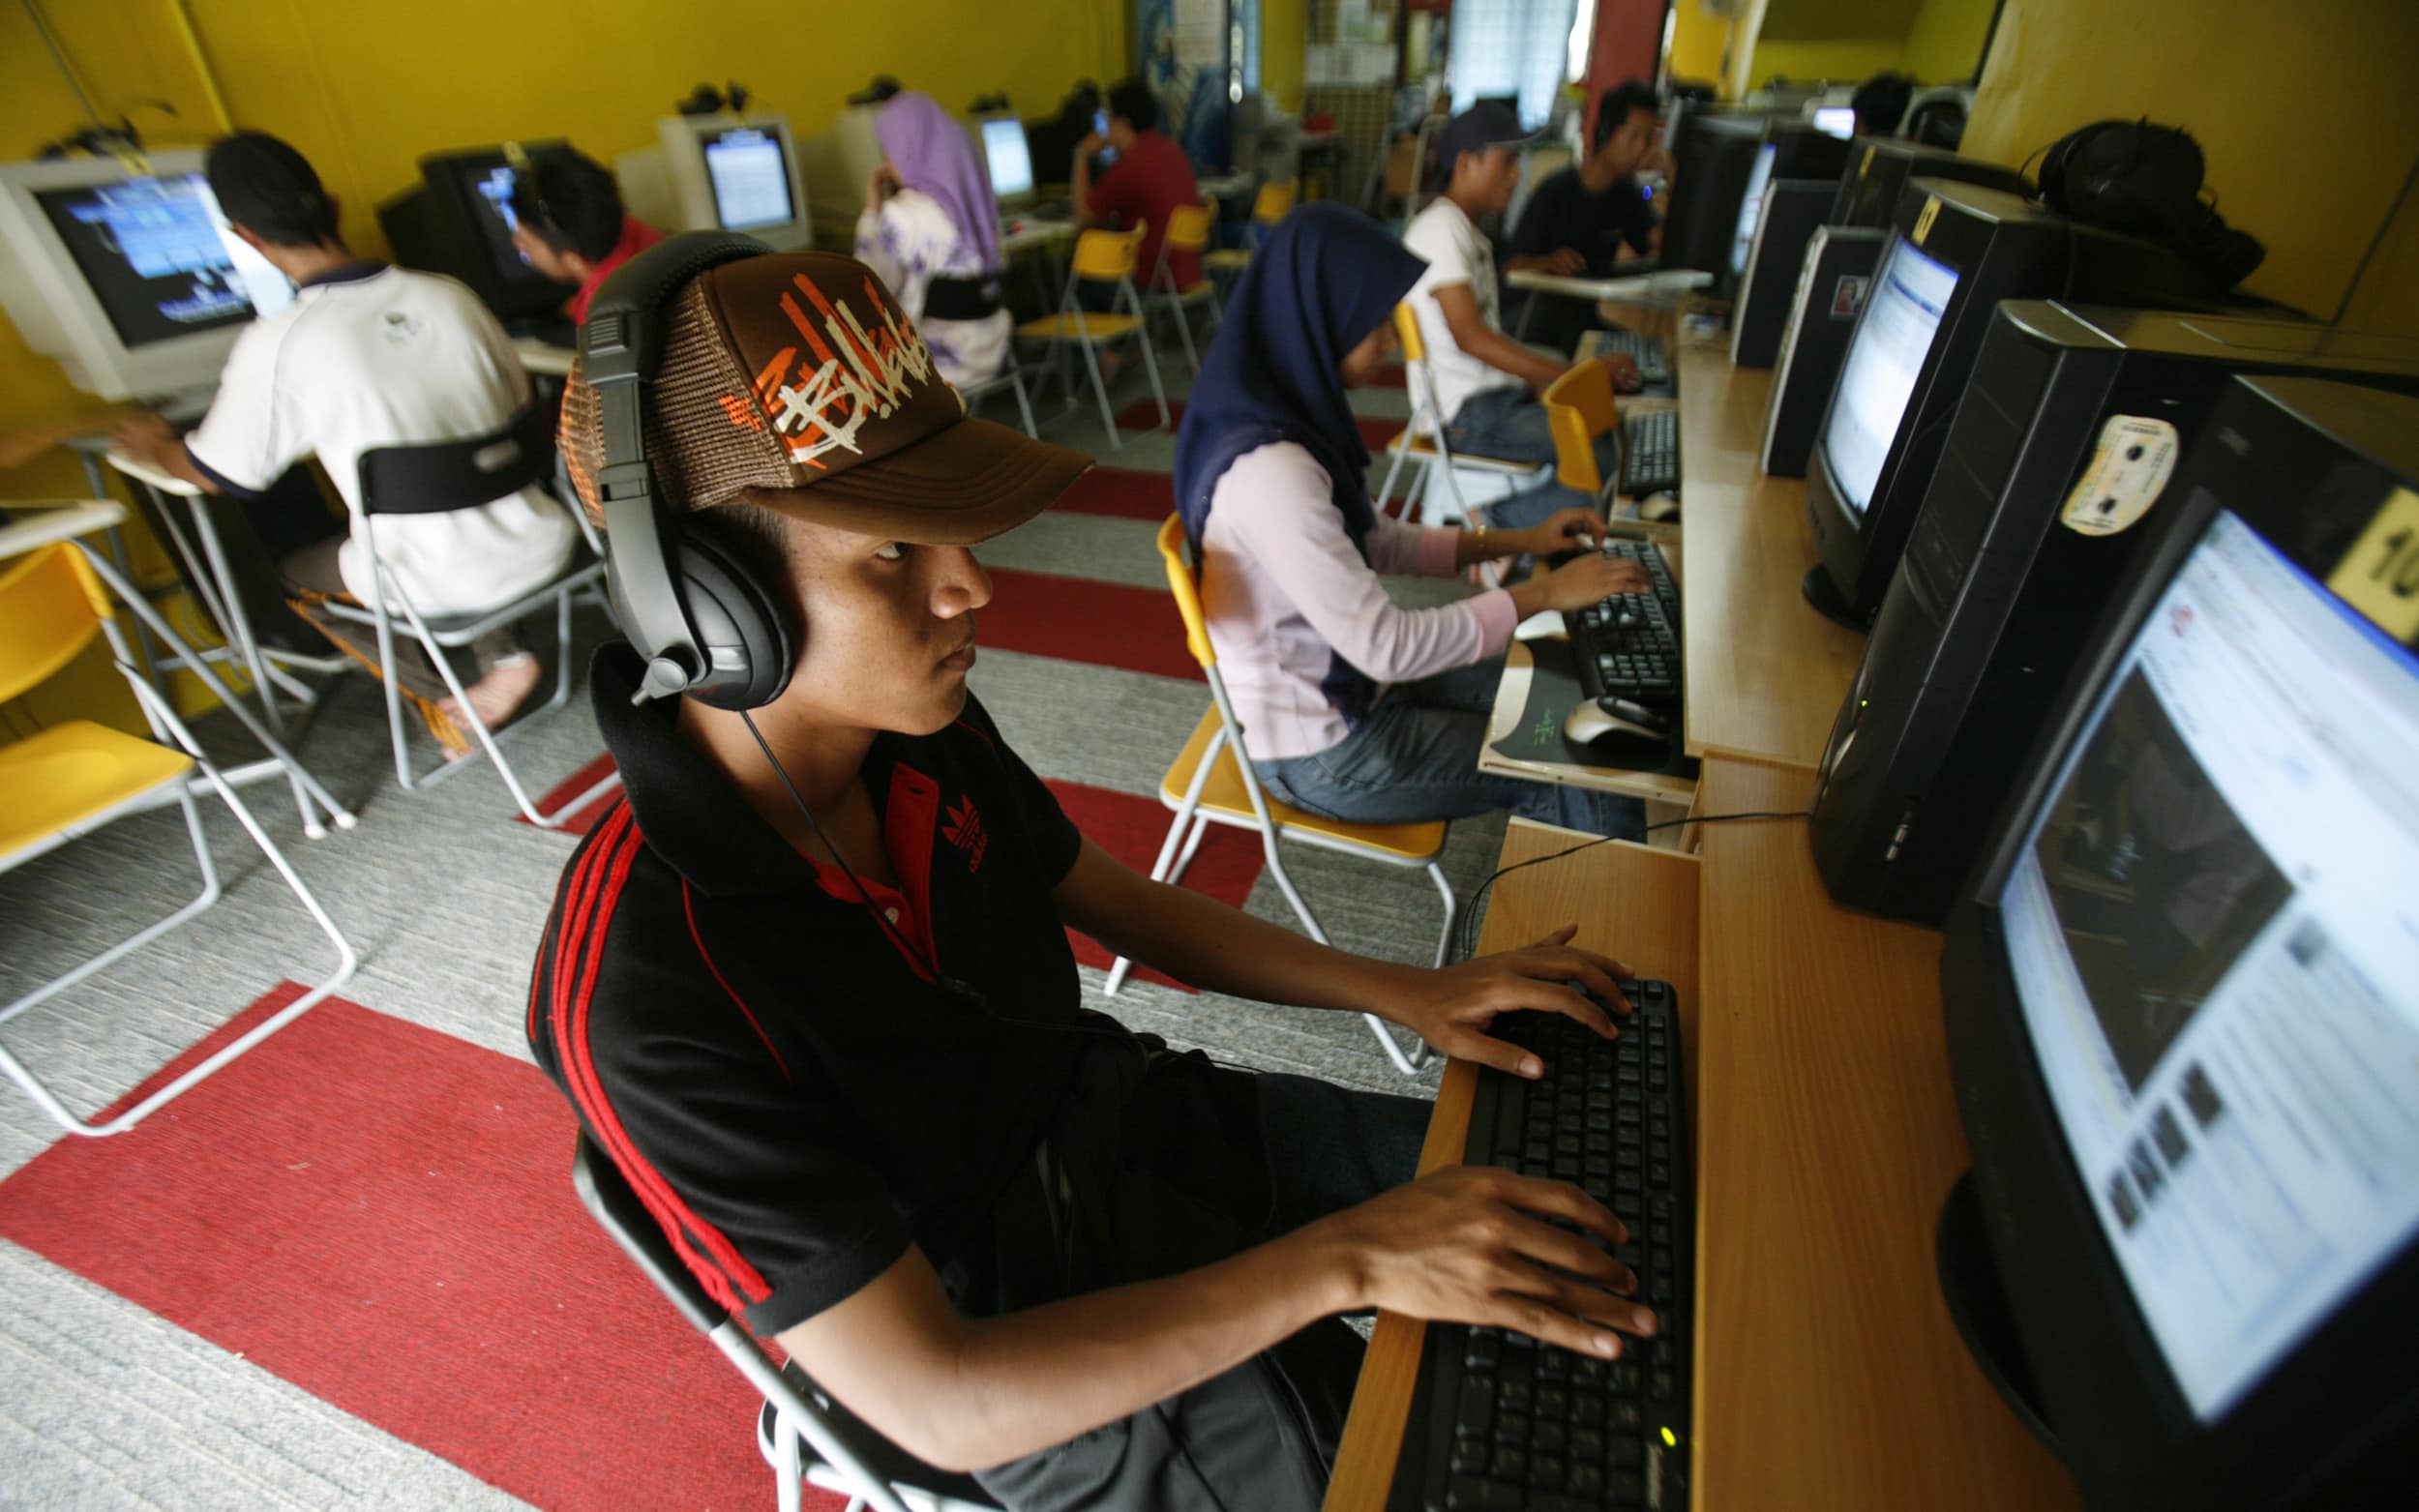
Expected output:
(1353, 706)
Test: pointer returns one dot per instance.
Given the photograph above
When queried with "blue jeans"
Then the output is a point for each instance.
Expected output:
(1510, 422)
(1415, 758)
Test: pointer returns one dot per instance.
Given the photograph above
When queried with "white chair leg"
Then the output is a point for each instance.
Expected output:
(1186, 812)
(1192, 844)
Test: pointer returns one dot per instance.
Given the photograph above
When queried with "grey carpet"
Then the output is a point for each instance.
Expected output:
(102, 1404)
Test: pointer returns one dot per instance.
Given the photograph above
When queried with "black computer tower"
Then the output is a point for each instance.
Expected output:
(1832, 281)
(1793, 212)
(2074, 418)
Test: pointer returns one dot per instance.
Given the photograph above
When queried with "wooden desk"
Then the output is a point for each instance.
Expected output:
(1828, 1371)
(1766, 674)
(1635, 903)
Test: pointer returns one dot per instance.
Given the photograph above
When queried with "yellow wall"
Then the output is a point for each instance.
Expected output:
(1284, 41)
(1699, 40)
(1845, 61)
(1946, 42)
(2307, 117)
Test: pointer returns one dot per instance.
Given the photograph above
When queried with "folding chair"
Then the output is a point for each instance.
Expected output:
(1212, 783)
(1273, 203)
(1424, 441)
(439, 478)
(1188, 230)
(808, 1438)
(1102, 257)
(76, 777)
(1580, 406)
(991, 298)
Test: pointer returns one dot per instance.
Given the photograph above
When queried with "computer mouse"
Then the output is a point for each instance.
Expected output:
(1660, 507)
(1590, 723)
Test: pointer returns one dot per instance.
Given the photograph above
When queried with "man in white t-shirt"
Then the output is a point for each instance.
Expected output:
(369, 356)
(1487, 384)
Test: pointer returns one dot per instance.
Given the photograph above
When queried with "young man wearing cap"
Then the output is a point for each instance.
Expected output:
(811, 986)
(571, 226)
(369, 356)
(1486, 384)
(1583, 218)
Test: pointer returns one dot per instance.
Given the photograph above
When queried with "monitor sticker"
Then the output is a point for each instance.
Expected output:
(2125, 476)
(2379, 575)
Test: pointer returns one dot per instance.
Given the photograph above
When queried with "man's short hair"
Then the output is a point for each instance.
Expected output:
(571, 202)
(1881, 102)
(1130, 101)
(1614, 106)
(270, 189)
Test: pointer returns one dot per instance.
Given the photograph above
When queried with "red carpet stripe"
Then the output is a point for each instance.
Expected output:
(1120, 493)
(1145, 416)
(1077, 619)
(382, 1216)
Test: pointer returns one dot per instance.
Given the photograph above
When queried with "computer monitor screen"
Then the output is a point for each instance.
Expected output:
(1752, 209)
(1836, 120)
(1009, 155)
(491, 189)
(750, 178)
(2210, 930)
(157, 254)
(1885, 357)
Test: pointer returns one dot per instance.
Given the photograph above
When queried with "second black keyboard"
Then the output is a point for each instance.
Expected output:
(1520, 1426)
(1629, 646)
(1649, 453)
(1653, 362)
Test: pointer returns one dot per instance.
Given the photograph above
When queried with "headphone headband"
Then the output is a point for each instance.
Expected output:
(620, 344)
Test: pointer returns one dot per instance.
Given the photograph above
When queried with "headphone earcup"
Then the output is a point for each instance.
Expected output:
(748, 637)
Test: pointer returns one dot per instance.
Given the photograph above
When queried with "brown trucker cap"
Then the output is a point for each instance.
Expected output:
(798, 374)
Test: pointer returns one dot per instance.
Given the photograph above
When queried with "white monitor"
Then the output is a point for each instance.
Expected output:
(1751, 208)
(1885, 357)
(836, 164)
(736, 173)
(1835, 120)
(1009, 157)
(130, 280)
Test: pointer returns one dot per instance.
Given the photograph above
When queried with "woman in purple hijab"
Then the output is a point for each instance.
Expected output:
(930, 229)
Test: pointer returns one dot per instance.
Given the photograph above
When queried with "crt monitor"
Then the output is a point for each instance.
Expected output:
(1009, 158)
(1879, 170)
(132, 280)
(2181, 995)
(1955, 252)
(1712, 158)
(737, 173)
(1751, 208)
(459, 220)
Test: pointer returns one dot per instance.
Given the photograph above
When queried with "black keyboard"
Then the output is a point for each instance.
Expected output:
(1629, 646)
(1649, 453)
(1521, 1426)
(1653, 365)
(1050, 210)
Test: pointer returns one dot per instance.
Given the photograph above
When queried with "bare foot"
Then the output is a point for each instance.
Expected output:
(493, 698)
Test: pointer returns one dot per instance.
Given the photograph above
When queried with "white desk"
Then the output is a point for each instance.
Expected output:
(544, 359)
(59, 519)
(1656, 287)
(1023, 236)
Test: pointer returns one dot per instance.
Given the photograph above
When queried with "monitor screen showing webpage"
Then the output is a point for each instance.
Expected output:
(1010, 157)
(1885, 357)
(1752, 209)
(751, 179)
(2215, 938)
(159, 257)
(1837, 121)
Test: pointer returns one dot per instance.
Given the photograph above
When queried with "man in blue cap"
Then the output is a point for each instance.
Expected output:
(1486, 384)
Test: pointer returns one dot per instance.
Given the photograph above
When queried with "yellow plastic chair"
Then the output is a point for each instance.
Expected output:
(76, 777)
(1188, 230)
(1423, 441)
(1579, 407)
(1102, 257)
(1273, 203)
(1212, 783)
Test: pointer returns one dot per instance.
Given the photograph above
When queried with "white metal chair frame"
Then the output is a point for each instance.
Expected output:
(1010, 376)
(1162, 293)
(1192, 821)
(1427, 423)
(1131, 299)
(581, 578)
(166, 728)
(797, 1417)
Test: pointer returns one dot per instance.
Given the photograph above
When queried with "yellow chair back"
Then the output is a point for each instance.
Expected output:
(52, 605)
(1107, 256)
(1407, 334)
(1187, 591)
(1275, 202)
(1188, 226)
(1579, 407)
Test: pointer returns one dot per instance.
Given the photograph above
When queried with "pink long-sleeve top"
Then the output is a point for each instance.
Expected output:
(1283, 587)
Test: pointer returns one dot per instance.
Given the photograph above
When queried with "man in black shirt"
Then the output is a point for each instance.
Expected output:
(810, 986)
(1581, 220)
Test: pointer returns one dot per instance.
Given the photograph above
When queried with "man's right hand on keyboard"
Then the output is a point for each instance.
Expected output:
(1471, 1244)
(1580, 583)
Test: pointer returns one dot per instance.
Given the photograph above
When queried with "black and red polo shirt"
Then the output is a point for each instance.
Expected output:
(798, 1098)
